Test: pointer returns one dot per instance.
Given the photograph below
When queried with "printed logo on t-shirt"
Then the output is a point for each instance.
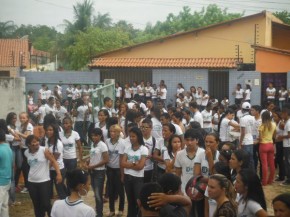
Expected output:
(133, 158)
(204, 170)
(68, 146)
(32, 162)
(188, 169)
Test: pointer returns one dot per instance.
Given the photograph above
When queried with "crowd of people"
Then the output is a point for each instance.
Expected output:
(147, 151)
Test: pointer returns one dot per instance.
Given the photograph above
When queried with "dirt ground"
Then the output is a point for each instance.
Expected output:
(26, 209)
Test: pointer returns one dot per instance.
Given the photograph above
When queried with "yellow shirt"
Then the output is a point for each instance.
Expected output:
(266, 136)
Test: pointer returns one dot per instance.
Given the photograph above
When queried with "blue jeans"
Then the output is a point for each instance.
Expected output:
(286, 152)
(133, 187)
(60, 187)
(116, 187)
(250, 150)
(69, 165)
(97, 182)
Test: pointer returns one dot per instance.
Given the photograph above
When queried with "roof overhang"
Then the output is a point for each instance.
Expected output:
(208, 63)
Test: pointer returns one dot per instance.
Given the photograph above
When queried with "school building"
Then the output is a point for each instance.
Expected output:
(254, 49)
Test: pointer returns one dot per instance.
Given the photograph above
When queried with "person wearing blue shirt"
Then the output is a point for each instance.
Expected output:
(6, 162)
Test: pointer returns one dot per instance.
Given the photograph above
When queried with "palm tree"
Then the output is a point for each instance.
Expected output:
(103, 20)
(7, 28)
(83, 15)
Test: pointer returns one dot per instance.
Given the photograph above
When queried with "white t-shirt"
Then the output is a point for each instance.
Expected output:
(96, 154)
(283, 95)
(28, 128)
(156, 128)
(286, 142)
(39, 166)
(239, 94)
(49, 109)
(186, 164)
(81, 112)
(140, 90)
(69, 144)
(248, 94)
(239, 114)
(58, 149)
(179, 91)
(160, 146)
(255, 132)
(202, 160)
(60, 113)
(128, 94)
(48, 94)
(207, 117)
(178, 130)
(118, 91)
(250, 210)
(271, 91)
(204, 100)
(42, 94)
(148, 91)
(76, 94)
(41, 113)
(225, 130)
(198, 117)
(198, 98)
(163, 93)
(149, 144)
(248, 122)
(134, 89)
(64, 208)
(215, 120)
(104, 130)
(187, 124)
(14, 143)
(69, 91)
(114, 152)
(135, 156)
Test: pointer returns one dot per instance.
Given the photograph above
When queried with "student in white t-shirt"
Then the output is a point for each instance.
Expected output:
(99, 157)
(116, 145)
(247, 93)
(55, 146)
(127, 93)
(118, 90)
(207, 118)
(271, 92)
(283, 94)
(204, 100)
(251, 201)
(23, 132)
(174, 146)
(78, 181)
(184, 162)
(71, 142)
(226, 125)
(193, 107)
(247, 125)
(162, 92)
(239, 94)
(133, 163)
(204, 162)
(39, 159)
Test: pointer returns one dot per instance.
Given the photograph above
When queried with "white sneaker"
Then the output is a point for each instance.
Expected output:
(24, 191)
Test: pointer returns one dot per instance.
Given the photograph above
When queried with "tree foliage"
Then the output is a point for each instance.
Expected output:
(284, 16)
(90, 34)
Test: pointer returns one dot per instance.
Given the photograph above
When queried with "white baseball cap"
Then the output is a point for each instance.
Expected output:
(246, 105)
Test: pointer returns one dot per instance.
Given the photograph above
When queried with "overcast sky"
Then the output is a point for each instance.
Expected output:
(137, 12)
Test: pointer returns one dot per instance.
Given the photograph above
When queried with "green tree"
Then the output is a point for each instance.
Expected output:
(83, 13)
(284, 16)
(7, 28)
(102, 21)
(92, 42)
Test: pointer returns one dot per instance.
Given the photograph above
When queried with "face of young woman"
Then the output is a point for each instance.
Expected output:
(114, 134)
(14, 120)
(96, 138)
(102, 117)
(214, 189)
(234, 163)
(133, 138)
(176, 144)
(230, 116)
(67, 124)
(280, 209)
(166, 133)
(239, 185)
(34, 146)
(49, 132)
(23, 118)
(210, 142)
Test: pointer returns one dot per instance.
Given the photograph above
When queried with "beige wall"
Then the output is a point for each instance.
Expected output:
(13, 71)
(214, 42)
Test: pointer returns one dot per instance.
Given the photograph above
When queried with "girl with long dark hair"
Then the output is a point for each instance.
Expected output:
(252, 201)
(133, 163)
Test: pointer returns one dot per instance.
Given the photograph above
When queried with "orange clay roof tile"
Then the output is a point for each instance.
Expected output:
(164, 62)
